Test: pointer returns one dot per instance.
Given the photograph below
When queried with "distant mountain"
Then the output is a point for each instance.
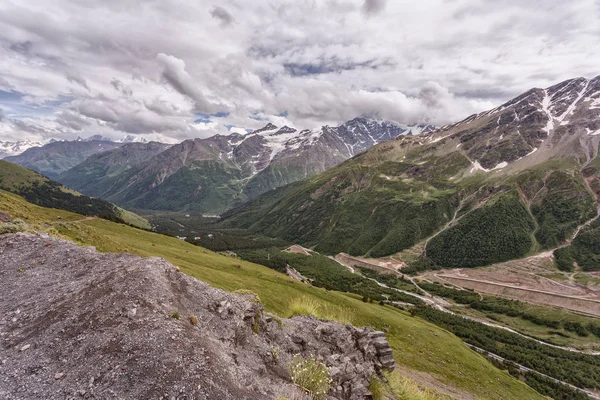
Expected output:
(514, 180)
(124, 139)
(98, 174)
(40, 190)
(132, 139)
(214, 174)
(14, 148)
(54, 158)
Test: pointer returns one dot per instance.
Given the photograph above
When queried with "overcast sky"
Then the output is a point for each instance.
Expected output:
(193, 68)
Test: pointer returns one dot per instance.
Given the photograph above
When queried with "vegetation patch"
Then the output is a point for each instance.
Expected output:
(310, 306)
(499, 231)
(578, 369)
(398, 387)
(326, 273)
(584, 250)
(311, 376)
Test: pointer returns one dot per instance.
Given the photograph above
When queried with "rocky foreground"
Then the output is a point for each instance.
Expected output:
(75, 323)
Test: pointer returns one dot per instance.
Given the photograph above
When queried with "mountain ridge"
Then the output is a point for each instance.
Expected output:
(519, 166)
(213, 174)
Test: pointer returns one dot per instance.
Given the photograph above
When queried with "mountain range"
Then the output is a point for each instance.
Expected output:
(15, 148)
(8, 148)
(515, 180)
(214, 174)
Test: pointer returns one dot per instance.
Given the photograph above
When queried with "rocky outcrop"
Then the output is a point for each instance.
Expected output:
(75, 323)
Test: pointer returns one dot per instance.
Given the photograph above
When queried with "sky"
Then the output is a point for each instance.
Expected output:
(171, 70)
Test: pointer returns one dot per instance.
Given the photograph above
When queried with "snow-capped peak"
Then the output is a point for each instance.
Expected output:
(268, 128)
(132, 139)
(15, 148)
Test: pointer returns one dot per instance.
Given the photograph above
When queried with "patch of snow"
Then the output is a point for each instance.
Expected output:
(592, 133)
(478, 167)
(503, 164)
(546, 108)
(532, 151)
(458, 145)
(16, 148)
(573, 105)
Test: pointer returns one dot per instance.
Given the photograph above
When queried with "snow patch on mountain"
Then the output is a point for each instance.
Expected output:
(477, 167)
(15, 148)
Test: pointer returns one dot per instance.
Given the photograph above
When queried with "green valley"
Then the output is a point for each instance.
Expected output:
(418, 346)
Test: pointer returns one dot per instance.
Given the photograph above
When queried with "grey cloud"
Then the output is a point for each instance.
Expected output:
(120, 87)
(98, 110)
(161, 107)
(121, 115)
(4, 85)
(175, 74)
(22, 47)
(73, 120)
(2, 114)
(333, 65)
(371, 7)
(28, 127)
(222, 15)
(77, 78)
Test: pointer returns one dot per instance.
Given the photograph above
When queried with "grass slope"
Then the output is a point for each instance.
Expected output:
(391, 198)
(43, 191)
(417, 345)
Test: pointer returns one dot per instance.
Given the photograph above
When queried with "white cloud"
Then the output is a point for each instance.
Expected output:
(112, 68)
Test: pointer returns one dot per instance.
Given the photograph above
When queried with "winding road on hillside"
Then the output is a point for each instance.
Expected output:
(441, 305)
(435, 302)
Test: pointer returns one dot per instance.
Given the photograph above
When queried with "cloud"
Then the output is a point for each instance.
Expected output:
(222, 15)
(2, 114)
(108, 68)
(371, 7)
(175, 74)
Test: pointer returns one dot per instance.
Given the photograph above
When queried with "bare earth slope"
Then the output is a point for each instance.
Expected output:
(78, 323)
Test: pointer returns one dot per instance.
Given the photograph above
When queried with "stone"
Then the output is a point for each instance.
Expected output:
(25, 347)
(58, 376)
(132, 313)
(4, 217)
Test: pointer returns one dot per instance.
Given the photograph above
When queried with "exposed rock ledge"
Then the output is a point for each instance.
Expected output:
(75, 323)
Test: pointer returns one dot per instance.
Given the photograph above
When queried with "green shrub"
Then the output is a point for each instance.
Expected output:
(311, 306)
(175, 315)
(11, 228)
(311, 375)
(563, 259)
(304, 306)
(193, 320)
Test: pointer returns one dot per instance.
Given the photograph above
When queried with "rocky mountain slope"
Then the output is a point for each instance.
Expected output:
(212, 175)
(56, 156)
(106, 330)
(98, 174)
(517, 179)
